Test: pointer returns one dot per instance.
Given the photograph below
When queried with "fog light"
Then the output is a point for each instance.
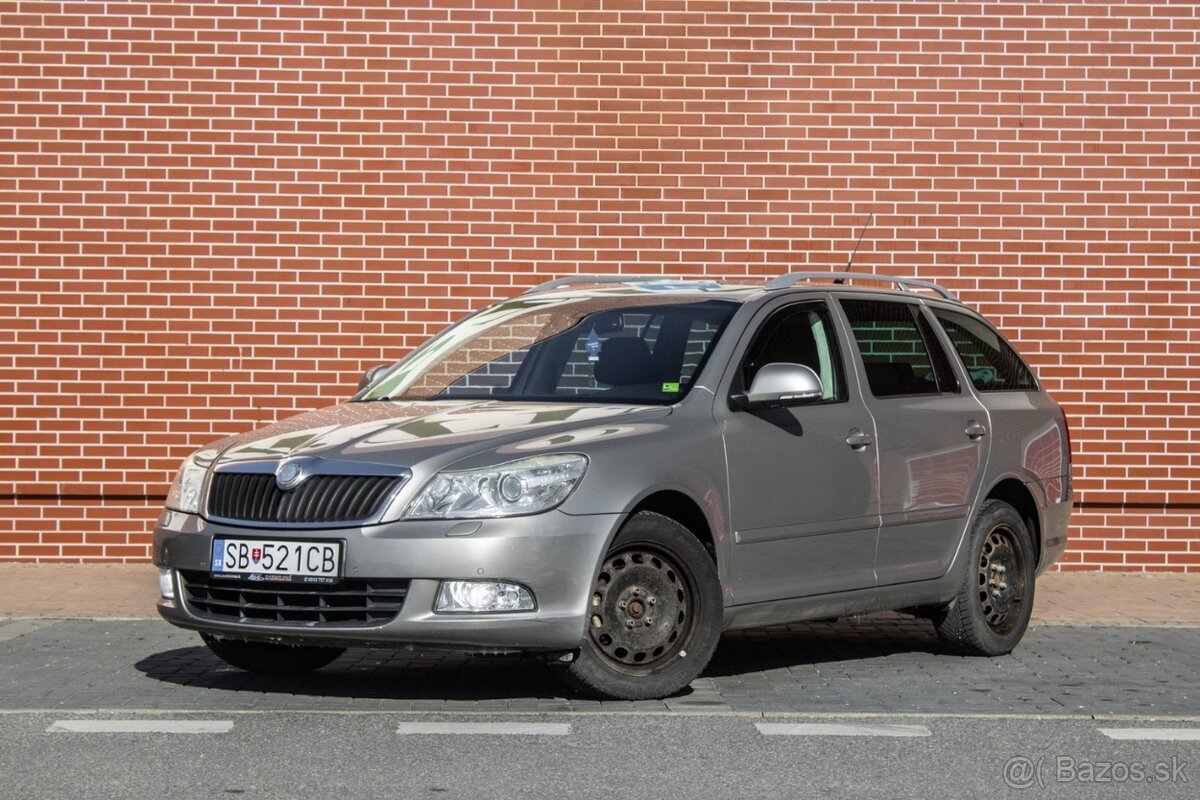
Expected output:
(166, 586)
(482, 597)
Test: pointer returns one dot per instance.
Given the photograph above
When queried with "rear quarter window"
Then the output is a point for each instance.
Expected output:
(992, 363)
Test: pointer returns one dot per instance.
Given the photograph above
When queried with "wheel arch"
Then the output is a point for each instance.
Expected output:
(1017, 495)
(683, 509)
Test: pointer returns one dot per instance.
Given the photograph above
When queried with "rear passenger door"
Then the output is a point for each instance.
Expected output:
(932, 437)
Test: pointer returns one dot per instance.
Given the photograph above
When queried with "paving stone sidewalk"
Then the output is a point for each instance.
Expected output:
(859, 665)
(87, 637)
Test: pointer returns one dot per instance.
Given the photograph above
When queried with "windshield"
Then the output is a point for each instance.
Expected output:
(608, 349)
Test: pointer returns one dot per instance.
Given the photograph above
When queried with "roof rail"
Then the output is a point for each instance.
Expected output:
(904, 284)
(572, 279)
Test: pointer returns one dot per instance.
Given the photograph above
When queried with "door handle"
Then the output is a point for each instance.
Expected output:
(858, 440)
(975, 430)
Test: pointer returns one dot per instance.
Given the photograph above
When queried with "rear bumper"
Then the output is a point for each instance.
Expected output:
(555, 555)
(1057, 517)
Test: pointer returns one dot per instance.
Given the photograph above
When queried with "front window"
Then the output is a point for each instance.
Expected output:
(609, 349)
(799, 334)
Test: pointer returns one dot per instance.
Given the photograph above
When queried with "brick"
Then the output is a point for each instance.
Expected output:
(214, 214)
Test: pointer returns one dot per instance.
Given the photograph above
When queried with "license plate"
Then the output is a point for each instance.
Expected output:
(276, 560)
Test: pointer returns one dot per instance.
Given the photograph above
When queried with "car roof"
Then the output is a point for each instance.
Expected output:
(591, 285)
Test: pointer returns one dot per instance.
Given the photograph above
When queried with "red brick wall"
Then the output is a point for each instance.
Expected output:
(214, 214)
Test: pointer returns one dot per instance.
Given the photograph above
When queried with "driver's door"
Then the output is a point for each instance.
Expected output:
(803, 481)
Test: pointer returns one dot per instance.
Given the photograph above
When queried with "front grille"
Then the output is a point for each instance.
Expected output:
(255, 497)
(371, 601)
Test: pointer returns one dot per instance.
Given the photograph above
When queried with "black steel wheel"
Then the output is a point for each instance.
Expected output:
(655, 614)
(1000, 581)
(991, 612)
(641, 608)
(269, 658)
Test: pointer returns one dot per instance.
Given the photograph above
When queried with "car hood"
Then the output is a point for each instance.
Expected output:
(408, 433)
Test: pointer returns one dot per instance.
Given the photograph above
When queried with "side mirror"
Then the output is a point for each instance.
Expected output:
(370, 375)
(780, 385)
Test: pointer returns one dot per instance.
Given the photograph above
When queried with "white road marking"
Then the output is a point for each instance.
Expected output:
(484, 728)
(140, 726)
(1154, 734)
(837, 729)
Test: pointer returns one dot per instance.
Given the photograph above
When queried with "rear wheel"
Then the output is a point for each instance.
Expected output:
(272, 659)
(655, 614)
(991, 612)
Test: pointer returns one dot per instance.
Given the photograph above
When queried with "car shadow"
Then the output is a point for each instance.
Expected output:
(852, 640)
(365, 673)
(369, 673)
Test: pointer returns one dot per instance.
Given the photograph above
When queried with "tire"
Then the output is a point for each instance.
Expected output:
(656, 613)
(271, 659)
(991, 612)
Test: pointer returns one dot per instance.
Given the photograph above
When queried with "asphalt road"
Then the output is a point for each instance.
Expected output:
(276, 754)
(858, 708)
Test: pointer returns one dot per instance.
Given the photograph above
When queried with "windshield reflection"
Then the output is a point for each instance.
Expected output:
(646, 349)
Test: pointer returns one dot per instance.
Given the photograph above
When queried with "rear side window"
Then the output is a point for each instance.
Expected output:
(990, 361)
(900, 354)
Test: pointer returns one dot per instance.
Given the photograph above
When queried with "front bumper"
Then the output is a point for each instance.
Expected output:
(555, 555)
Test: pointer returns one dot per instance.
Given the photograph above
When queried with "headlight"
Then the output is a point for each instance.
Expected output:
(185, 491)
(527, 486)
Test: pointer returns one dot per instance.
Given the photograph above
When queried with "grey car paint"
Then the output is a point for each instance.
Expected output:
(798, 531)
(800, 526)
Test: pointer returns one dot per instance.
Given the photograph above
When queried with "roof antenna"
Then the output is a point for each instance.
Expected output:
(854, 252)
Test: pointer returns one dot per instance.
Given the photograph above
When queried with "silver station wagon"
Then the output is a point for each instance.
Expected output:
(611, 471)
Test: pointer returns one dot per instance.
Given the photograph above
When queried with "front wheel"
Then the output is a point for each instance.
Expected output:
(655, 614)
(271, 659)
(991, 612)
